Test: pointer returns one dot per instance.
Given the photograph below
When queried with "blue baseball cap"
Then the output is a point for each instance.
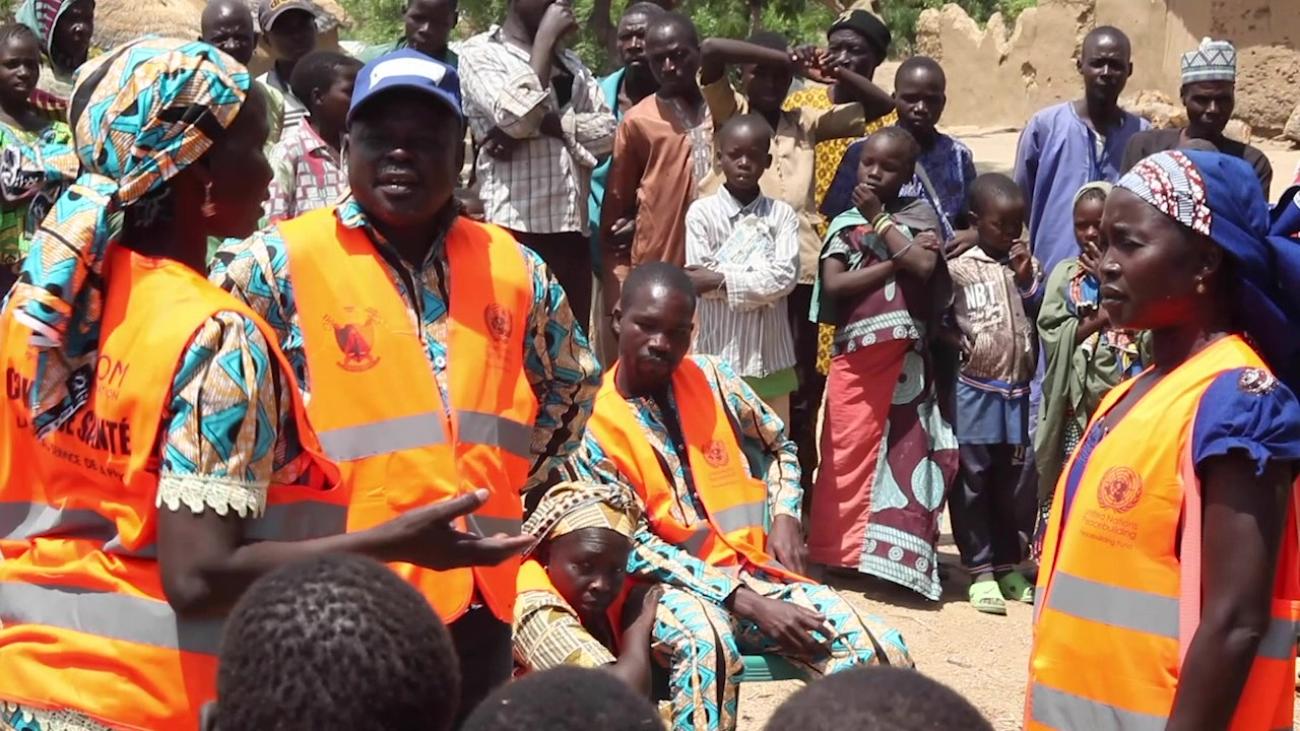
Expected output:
(411, 70)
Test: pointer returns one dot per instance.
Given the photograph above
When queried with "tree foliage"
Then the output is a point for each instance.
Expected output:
(377, 21)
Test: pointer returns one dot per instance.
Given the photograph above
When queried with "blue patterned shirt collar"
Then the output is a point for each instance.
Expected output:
(352, 215)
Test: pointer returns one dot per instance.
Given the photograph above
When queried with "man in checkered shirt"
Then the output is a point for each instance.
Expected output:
(540, 123)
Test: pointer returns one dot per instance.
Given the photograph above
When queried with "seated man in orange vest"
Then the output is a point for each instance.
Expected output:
(677, 431)
(436, 354)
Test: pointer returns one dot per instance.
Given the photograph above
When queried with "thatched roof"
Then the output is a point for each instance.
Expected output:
(119, 21)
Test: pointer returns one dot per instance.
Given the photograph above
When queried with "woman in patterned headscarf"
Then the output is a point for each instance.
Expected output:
(572, 599)
(64, 29)
(149, 419)
(1170, 569)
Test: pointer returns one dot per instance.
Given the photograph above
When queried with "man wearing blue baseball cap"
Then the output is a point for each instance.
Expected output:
(437, 355)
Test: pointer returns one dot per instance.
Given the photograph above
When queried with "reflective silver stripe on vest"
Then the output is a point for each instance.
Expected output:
(114, 546)
(115, 616)
(487, 526)
(740, 517)
(383, 437)
(297, 521)
(1278, 640)
(1132, 609)
(1058, 709)
(736, 517)
(24, 521)
(695, 543)
(476, 427)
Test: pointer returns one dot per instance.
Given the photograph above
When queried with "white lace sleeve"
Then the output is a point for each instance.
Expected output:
(218, 445)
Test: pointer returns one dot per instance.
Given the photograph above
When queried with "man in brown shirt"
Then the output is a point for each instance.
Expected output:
(663, 151)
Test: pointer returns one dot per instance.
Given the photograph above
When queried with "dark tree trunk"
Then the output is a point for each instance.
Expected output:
(755, 16)
(602, 28)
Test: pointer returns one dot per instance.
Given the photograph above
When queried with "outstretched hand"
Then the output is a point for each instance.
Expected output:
(425, 536)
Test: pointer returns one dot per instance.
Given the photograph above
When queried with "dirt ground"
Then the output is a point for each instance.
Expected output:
(983, 657)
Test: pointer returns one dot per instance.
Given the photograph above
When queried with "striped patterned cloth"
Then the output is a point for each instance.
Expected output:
(756, 248)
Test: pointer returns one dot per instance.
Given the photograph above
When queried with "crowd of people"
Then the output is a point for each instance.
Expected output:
(732, 336)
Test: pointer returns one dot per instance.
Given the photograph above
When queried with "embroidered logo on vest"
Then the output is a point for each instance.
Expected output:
(1120, 490)
(354, 339)
(715, 454)
(1256, 381)
(498, 322)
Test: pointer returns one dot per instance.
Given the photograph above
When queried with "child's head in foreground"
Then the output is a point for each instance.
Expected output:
(877, 699)
(563, 699)
(336, 642)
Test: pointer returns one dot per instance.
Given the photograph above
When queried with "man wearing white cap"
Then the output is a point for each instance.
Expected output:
(1209, 94)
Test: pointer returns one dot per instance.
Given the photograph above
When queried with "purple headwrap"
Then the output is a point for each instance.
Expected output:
(1219, 196)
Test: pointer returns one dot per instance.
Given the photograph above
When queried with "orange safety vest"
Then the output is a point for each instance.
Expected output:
(1119, 589)
(534, 577)
(377, 407)
(84, 622)
(735, 503)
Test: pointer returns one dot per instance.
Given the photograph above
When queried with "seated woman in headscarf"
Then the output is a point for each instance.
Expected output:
(1086, 357)
(64, 29)
(1170, 569)
(574, 606)
(154, 457)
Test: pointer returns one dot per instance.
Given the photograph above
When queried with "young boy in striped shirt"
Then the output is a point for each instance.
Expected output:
(742, 253)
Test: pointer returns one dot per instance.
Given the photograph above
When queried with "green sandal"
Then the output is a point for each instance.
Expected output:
(986, 596)
(1016, 587)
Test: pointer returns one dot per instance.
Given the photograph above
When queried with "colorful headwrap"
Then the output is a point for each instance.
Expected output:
(1212, 61)
(1101, 185)
(141, 114)
(572, 506)
(1219, 196)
